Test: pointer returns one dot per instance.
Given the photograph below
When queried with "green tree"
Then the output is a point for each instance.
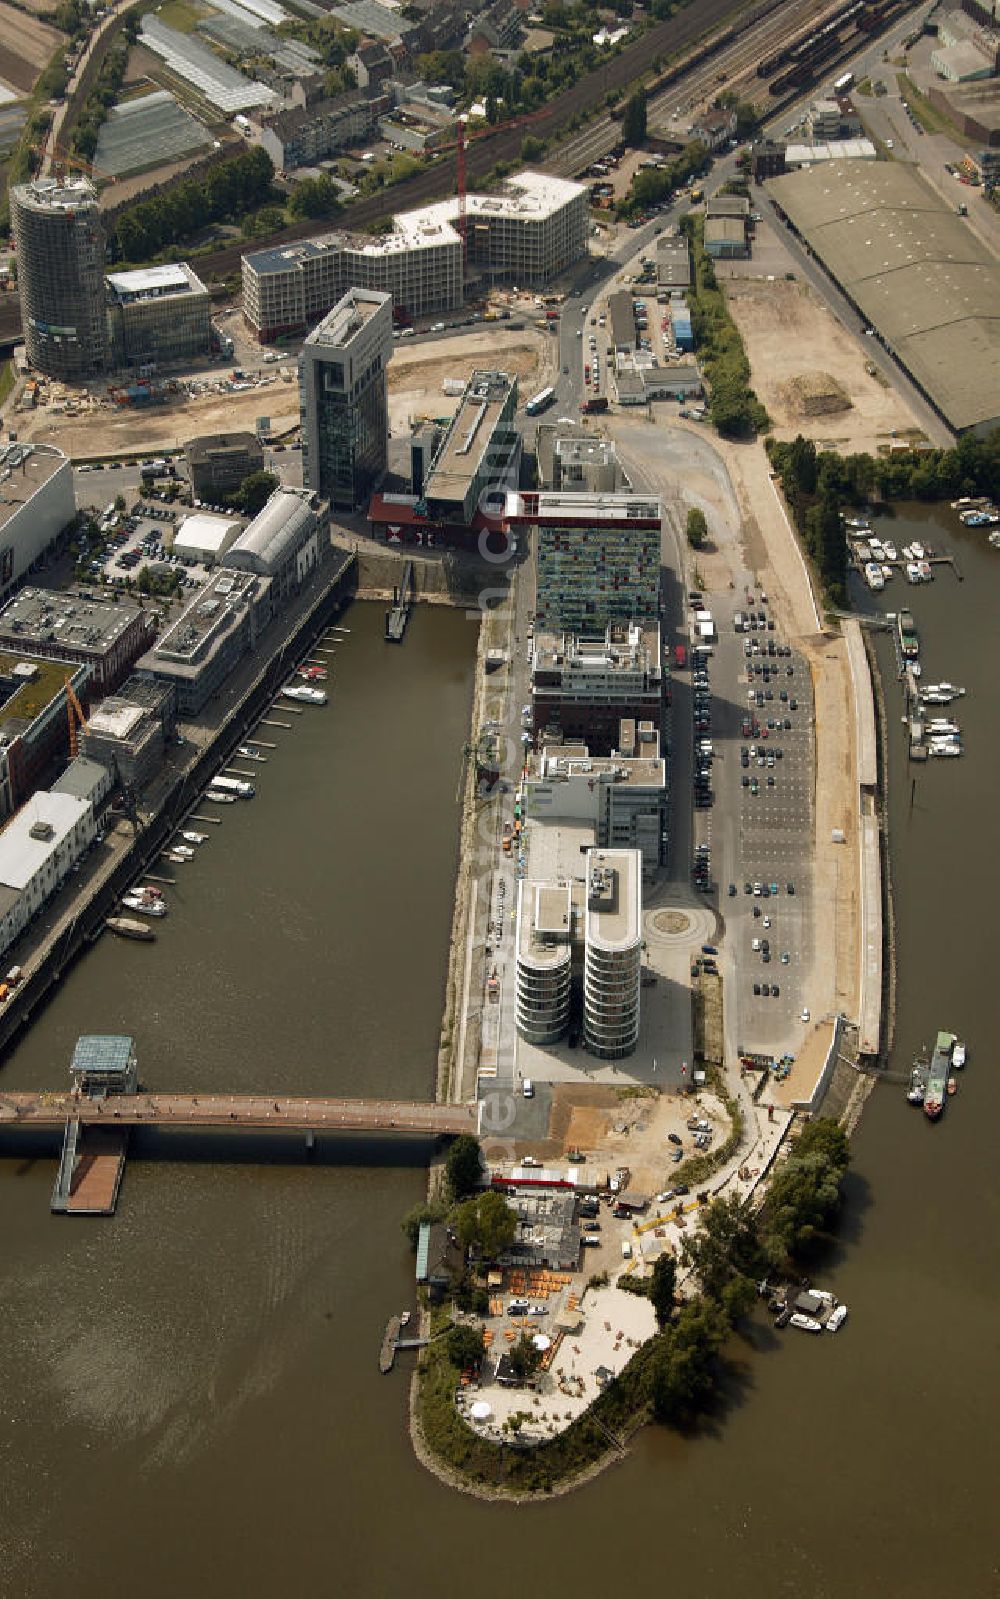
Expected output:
(681, 1372)
(697, 527)
(662, 1286)
(255, 491)
(634, 120)
(723, 1247)
(465, 1347)
(415, 1217)
(464, 1166)
(524, 1358)
(532, 148)
(486, 1224)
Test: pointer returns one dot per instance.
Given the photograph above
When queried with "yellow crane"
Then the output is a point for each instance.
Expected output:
(74, 712)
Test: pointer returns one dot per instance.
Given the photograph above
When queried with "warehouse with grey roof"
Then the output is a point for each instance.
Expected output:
(915, 271)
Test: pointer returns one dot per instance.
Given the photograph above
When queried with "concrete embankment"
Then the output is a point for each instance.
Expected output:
(97, 899)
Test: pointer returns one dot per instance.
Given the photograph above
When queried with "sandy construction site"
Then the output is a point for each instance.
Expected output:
(417, 372)
(108, 429)
(809, 373)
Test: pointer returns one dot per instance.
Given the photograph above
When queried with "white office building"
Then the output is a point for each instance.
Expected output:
(37, 503)
(38, 849)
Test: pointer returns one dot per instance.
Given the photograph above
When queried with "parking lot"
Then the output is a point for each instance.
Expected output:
(140, 537)
(753, 791)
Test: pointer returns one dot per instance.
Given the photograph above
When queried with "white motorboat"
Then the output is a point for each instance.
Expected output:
(305, 692)
(891, 553)
(918, 552)
(805, 1323)
(958, 1056)
(194, 838)
(912, 572)
(873, 577)
(944, 748)
(219, 798)
(951, 691)
(250, 754)
(836, 1318)
(184, 851)
(173, 857)
(926, 571)
(145, 907)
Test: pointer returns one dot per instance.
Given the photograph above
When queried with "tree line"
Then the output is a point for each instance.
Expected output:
(733, 405)
(675, 1376)
(225, 193)
(818, 484)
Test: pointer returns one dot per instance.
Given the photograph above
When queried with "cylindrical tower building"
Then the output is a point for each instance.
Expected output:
(59, 243)
(613, 952)
(544, 960)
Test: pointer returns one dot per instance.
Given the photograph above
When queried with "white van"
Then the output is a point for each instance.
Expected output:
(528, 1088)
(626, 1249)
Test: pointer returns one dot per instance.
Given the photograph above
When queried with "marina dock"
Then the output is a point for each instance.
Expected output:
(90, 1171)
(387, 1353)
(402, 599)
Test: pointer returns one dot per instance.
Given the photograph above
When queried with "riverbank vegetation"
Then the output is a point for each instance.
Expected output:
(819, 485)
(675, 1377)
(733, 405)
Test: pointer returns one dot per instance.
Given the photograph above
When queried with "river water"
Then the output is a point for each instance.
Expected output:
(189, 1396)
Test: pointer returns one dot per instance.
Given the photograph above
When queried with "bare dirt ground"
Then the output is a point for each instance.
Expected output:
(416, 374)
(26, 45)
(613, 1128)
(161, 427)
(789, 334)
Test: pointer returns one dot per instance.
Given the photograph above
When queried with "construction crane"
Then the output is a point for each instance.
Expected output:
(75, 716)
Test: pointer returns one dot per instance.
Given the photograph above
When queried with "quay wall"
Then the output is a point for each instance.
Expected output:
(871, 939)
(85, 926)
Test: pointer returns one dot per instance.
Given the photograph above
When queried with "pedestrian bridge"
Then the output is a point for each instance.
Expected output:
(257, 1111)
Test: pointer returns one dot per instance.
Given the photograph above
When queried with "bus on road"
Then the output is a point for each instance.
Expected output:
(540, 402)
(843, 83)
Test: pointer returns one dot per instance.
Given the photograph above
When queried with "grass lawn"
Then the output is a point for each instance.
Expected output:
(181, 14)
(6, 380)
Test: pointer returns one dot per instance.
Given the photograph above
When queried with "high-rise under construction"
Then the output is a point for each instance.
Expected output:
(59, 241)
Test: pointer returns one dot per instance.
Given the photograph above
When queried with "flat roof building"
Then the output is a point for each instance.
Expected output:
(726, 238)
(344, 399)
(530, 231)
(37, 504)
(584, 685)
(218, 462)
(673, 261)
(107, 638)
(214, 631)
(480, 450)
(38, 849)
(579, 913)
(129, 732)
(586, 464)
(157, 314)
(205, 538)
(915, 271)
(613, 952)
(598, 558)
(59, 242)
(34, 725)
(623, 795)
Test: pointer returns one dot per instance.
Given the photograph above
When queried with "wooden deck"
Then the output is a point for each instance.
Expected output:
(98, 1174)
(256, 1111)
